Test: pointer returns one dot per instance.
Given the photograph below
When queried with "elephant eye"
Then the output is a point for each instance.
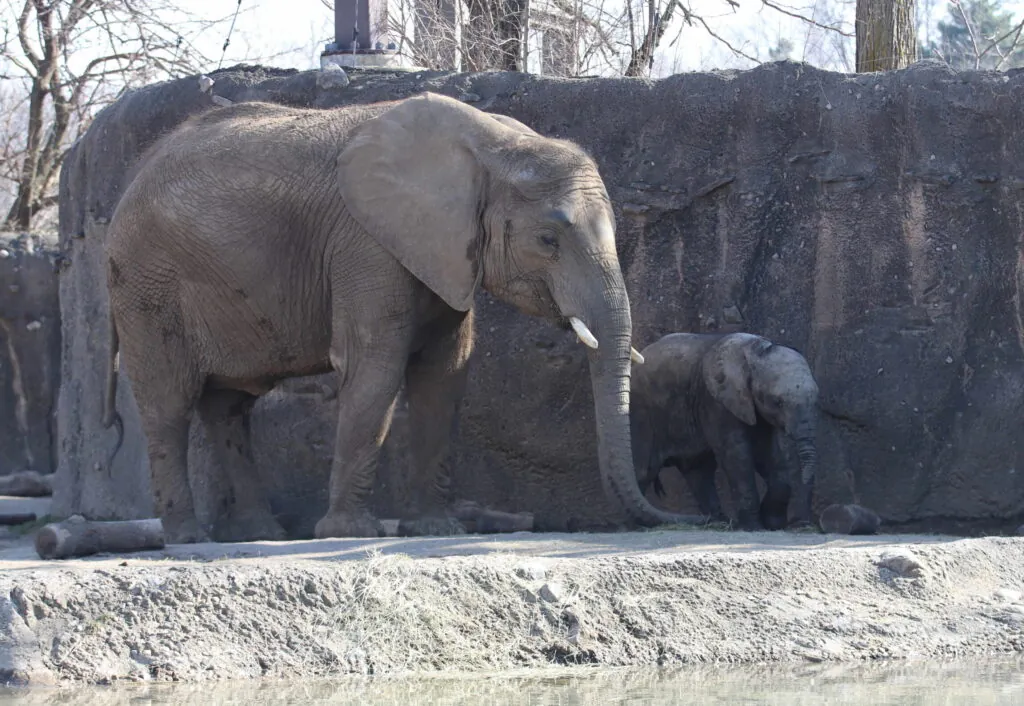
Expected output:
(549, 239)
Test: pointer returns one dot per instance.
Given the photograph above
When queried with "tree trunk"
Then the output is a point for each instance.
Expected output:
(510, 35)
(886, 35)
(77, 536)
(640, 63)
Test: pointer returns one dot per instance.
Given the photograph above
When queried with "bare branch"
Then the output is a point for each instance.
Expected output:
(77, 56)
(804, 18)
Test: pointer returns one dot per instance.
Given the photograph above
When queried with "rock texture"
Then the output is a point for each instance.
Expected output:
(29, 352)
(873, 222)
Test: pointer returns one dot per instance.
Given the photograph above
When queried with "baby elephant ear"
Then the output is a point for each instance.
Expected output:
(413, 177)
(727, 378)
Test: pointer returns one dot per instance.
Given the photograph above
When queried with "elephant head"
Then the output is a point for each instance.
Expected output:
(465, 199)
(753, 377)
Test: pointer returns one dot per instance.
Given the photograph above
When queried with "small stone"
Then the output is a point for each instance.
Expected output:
(902, 562)
(205, 84)
(732, 315)
(222, 101)
(469, 97)
(531, 572)
(552, 592)
(4, 254)
(33, 325)
(332, 76)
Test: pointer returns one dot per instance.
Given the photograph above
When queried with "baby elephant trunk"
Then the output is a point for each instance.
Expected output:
(807, 452)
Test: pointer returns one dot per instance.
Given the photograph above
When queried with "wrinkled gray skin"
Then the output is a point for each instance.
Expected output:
(258, 242)
(727, 400)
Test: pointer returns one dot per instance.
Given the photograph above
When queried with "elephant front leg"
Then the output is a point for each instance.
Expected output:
(736, 459)
(435, 383)
(366, 396)
(803, 513)
(244, 514)
(770, 461)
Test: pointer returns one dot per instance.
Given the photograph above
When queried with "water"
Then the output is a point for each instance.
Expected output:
(913, 683)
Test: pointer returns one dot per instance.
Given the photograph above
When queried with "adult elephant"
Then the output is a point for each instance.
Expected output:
(258, 242)
(729, 401)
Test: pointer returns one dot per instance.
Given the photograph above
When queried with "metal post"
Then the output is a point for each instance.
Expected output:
(360, 36)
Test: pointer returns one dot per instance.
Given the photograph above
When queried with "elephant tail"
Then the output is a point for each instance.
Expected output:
(111, 417)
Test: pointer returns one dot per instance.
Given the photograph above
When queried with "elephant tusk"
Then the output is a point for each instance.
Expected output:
(583, 332)
(635, 356)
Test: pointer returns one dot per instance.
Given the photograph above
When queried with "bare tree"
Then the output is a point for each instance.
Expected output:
(63, 60)
(576, 37)
(886, 35)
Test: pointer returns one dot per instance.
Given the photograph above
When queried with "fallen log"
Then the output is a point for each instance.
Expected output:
(848, 519)
(77, 536)
(26, 484)
(16, 518)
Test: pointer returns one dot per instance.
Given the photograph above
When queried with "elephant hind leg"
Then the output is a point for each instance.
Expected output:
(244, 514)
(166, 388)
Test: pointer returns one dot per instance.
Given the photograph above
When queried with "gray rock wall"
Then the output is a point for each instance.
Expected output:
(29, 353)
(874, 222)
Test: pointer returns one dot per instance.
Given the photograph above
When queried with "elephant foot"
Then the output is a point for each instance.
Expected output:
(431, 526)
(801, 526)
(183, 530)
(341, 524)
(251, 526)
(749, 522)
(773, 521)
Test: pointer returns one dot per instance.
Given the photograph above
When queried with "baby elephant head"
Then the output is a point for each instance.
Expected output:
(753, 377)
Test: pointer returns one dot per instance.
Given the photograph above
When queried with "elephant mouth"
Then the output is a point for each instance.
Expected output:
(583, 333)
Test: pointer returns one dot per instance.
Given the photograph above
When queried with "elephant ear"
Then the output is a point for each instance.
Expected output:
(414, 178)
(727, 377)
(514, 124)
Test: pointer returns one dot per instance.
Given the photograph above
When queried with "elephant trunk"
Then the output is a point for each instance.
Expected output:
(610, 378)
(807, 453)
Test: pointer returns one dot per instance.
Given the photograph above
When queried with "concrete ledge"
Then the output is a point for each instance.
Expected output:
(391, 606)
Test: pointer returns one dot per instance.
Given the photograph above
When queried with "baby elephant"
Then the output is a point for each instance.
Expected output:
(702, 401)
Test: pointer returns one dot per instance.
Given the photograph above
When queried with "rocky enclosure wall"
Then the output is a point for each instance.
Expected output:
(29, 353)
(874, 222)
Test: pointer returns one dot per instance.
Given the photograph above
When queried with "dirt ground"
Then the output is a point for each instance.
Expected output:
(479, 604)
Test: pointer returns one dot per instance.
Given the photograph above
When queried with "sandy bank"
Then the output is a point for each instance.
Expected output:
(473, 603)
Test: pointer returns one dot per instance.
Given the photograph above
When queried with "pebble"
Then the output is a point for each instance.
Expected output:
(1008, 595)
(552, 592)
(903, 562)
(332, 76)
(532, 571)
